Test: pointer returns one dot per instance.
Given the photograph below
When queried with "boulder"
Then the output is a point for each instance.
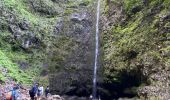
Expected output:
(24, 25)
(55, 97)
(59, 26)
(79, 16)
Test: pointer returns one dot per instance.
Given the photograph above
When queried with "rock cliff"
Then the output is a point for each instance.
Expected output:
(53, 42)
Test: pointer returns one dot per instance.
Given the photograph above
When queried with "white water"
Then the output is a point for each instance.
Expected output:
(96, 52)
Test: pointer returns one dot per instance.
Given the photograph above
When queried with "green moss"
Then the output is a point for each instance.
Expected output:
(167, 25)
(4, 44)
(166, 3)
(129, 4)
(154, 2)
(7, 56)
(131, 26)
(2, 78)
(140, 34)
(42, 26)
(13, 70)
(20, 9)
(68, 11)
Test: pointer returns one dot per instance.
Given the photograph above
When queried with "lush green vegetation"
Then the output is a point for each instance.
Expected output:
(135, 40)
(12, 48)
(138, 42)
(13, 70)
(41, 16)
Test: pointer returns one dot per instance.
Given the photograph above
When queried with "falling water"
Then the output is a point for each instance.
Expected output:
(96, 52)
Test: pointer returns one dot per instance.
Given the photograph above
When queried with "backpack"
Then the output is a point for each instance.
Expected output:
(39, 90)
(13, 93)
(47, 90)
(31, 91)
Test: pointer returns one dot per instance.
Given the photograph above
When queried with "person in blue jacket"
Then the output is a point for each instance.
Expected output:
(15, 92)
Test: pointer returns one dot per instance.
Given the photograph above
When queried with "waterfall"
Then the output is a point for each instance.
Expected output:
(96, 52)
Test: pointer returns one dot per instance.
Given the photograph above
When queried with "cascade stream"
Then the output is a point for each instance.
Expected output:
(96, 52)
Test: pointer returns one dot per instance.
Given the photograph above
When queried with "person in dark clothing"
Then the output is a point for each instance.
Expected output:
(47, 91)
(33, 91)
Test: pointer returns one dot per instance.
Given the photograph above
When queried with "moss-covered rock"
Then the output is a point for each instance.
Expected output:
(136, 41)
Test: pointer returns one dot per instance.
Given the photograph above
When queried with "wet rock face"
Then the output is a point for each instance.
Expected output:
(45, 7)
(26, 38)
(115, 14)
(21, 34)
(23, 65)
(81, 26)
(79, 16)
(24, 25)
(15, 30)
(59, 27)
(73, 79)
(160, 89)
(154, 72)
(136, 9)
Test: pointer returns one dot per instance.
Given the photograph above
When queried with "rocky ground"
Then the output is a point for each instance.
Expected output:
(23, 90)
(24, 94)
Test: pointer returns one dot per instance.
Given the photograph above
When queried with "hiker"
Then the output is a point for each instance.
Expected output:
(33, 92)
(15, 92)
(8, 89)
(40, 92)
(47, 90)
(1, 92)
